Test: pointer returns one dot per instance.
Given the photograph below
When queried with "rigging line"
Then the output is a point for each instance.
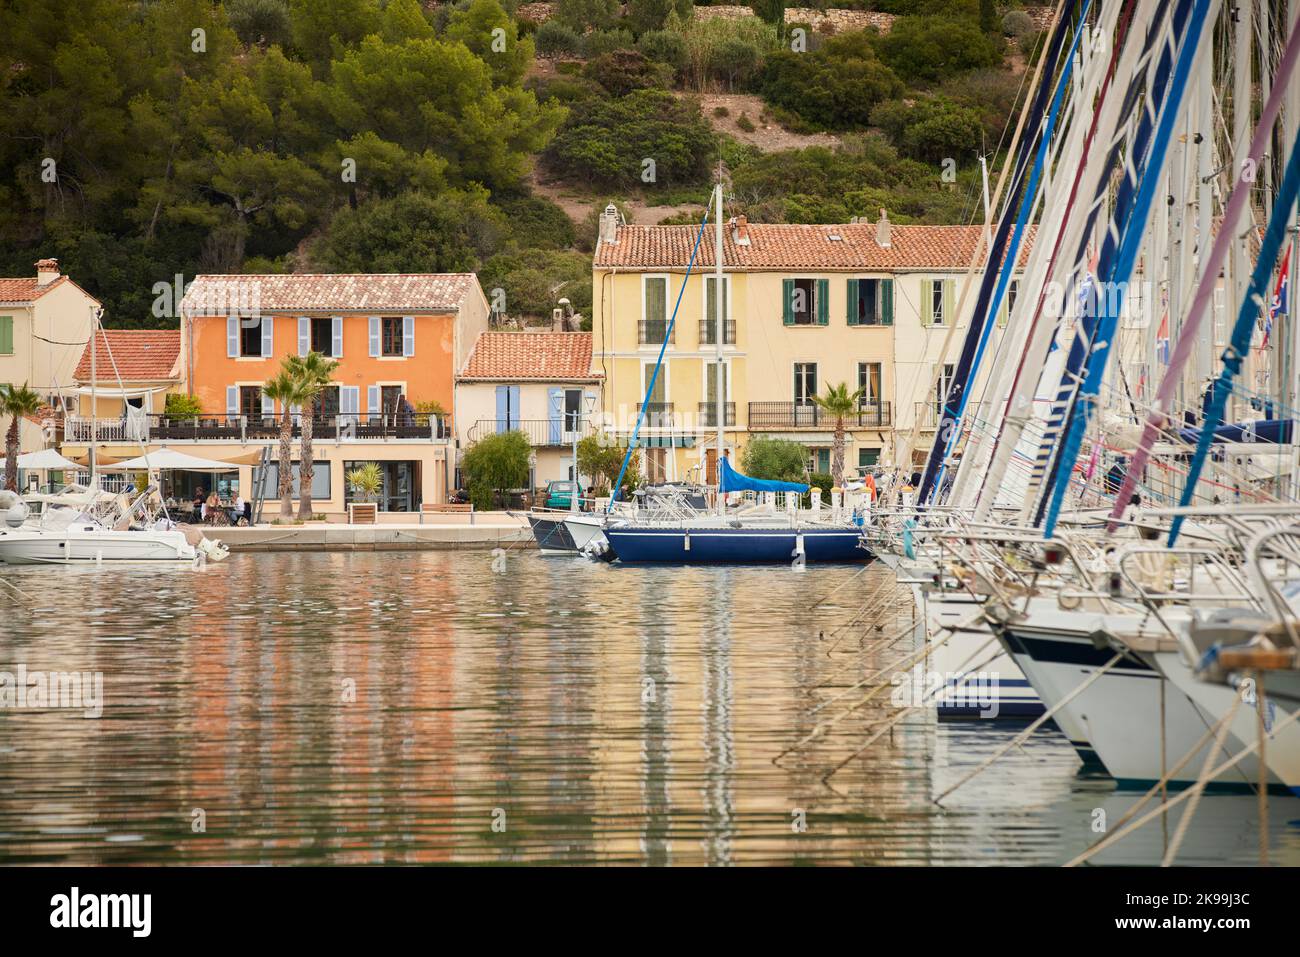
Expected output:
(1218, 253)
(1135, 218)
(654, 376)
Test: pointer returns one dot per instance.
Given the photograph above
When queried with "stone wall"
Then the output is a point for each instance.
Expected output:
(839, 21)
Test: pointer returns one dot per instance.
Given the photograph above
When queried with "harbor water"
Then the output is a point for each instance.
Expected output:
(505, 707)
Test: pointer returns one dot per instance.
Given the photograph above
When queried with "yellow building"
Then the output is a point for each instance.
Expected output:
(805, 307)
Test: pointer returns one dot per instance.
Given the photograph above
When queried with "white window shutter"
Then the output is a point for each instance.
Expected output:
(408, 335)
(349, 401)
(304, 335)
(232, 400)
(374, 337)
(268, 406)
(336, 337)
(268, 342)
(232, 337)
(372, 399)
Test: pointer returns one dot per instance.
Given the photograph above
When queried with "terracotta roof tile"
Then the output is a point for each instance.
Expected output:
(789, 246)
(139, 354)
(544, 356)
(21, 291)
(326, 292)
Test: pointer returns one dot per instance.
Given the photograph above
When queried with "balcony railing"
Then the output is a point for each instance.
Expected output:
(258, 428)
(651, 332)
(709, 330)
(808, 415)
(658, 415)
(540, 432)
(709, 414)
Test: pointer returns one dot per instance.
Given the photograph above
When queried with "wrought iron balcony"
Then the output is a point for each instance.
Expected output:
(658, 415)
(809, 415)
(709, 330)
(326, 426)
(709, 414)
(652, 332)
(540, 432)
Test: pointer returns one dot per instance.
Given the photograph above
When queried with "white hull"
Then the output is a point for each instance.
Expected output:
(1118, 716)
(586, 529)
(84, 546)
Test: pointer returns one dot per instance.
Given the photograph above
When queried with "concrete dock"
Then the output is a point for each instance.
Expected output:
(488, 531)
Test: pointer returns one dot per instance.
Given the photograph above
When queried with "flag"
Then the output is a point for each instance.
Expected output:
(1162, 340)
(1277, 308)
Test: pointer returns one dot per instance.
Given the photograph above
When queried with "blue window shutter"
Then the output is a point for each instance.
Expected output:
(823, 301)
(887, 301)
(232, 400)
(372, 399)
(787, 302)
(408, 335)
(304, 335)
(503, 407)
(336, 337)
(268, 340)
(514, 406)
(852, 297)
(555, 407)
(374, 337)
(232, 337)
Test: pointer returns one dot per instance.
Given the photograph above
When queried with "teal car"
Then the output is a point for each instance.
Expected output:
(559, 494)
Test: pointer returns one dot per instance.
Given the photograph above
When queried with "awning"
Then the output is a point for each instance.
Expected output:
(44, 459)
(166, 458)
(123, 393)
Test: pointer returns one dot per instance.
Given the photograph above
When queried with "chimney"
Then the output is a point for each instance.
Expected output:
(740, 230)
(47, 270)
(609, 225)
(882, 230)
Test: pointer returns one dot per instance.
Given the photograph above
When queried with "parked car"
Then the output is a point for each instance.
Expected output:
(559, 494)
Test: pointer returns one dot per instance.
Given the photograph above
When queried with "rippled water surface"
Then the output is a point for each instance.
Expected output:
(426, 707)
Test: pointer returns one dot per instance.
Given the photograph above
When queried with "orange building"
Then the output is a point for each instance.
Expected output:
(398, 339)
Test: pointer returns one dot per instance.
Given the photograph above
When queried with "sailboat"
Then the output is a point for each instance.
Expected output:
(87, 526)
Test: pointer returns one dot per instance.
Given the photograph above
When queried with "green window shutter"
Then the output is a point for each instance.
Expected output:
(887, 302)
(823, 301)
(1002, 312)
(927, 303)
(852, 299)
(6, 335)
(950, 300)
(787, 300)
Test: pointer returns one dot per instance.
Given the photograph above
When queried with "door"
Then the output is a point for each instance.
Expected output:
(805, 388)
(710, 466)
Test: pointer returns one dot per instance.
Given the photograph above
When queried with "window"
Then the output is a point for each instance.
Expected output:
(941, 389)
(388, 396)
(250, 401)
(802, 301)
(322, 335)
(819, 461)
(654, 305)
(6, 335)
(390, 336)
(867, 458)
(937, 317)
(656, 465)
(805, 382)
(657, 396)
(870, 302)
(250, 337)
(326, 403)
(1009, 303)
(711, 381)
(869, 382)
(320, 480)
(572, 409)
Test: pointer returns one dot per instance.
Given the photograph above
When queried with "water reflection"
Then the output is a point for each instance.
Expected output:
(421, 708)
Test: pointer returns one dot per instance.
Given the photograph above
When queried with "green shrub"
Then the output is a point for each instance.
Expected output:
(182, 405)
(529, 276)
(606, 41)
(623, 71)
(1018, 24)
(496, 463)
(581, 15)
(536, 222)
(664, 46)
(721, 111)
(932, 128)
(607, 141)
(745, 123)
(726, 51)
(931, 48)
(836, 87)
(554, 37)
(260, 21)
(778, 460)
(647, 15)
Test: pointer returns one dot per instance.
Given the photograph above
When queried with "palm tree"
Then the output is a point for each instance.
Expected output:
(285, 388)
(839, 402)
(15, 401)
(313, 372)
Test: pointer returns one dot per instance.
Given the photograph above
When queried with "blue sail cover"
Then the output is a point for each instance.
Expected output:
(733, 481)
(1263, 430)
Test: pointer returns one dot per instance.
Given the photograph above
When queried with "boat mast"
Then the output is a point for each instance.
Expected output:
(94, 426)
(720, 378)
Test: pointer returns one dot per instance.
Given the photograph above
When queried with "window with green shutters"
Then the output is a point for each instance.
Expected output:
(805, 302)
(938, 301)
(6, 335)
(870, 302)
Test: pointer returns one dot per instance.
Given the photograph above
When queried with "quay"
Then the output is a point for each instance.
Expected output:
(490, 530)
